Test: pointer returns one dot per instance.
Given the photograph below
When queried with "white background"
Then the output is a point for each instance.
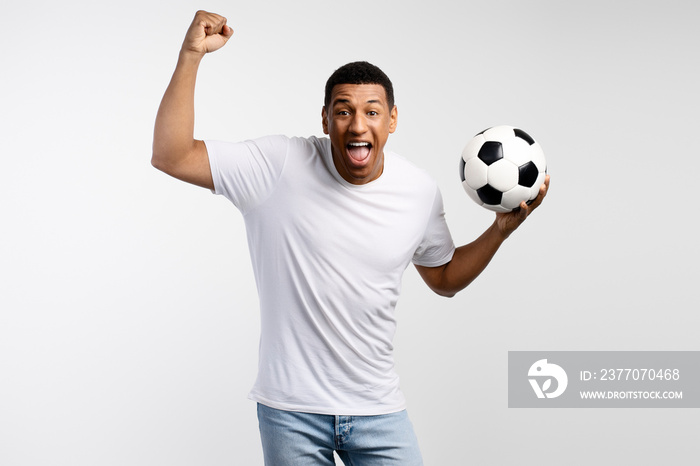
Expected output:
(128, 311)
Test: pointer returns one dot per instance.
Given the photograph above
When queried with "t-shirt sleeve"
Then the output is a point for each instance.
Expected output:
(437, 246)
(247, 172)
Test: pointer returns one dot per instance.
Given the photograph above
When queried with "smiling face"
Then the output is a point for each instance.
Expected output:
(358, 121)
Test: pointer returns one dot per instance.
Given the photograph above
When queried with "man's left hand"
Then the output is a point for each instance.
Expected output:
(508, 222)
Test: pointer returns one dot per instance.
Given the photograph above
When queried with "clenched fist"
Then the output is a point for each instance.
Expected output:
(207, 33)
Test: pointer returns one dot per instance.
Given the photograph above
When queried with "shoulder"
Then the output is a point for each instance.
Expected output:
(302, 145)
(322, 145)
(406, 172)
(282, 146)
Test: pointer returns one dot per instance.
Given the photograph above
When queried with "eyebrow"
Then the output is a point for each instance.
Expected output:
(347, 101)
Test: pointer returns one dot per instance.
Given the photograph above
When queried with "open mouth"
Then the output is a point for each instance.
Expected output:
(359, 151)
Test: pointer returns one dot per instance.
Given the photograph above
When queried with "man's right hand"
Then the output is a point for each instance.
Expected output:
(207, 33)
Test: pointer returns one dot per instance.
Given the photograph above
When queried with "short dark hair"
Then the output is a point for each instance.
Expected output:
(359, 72)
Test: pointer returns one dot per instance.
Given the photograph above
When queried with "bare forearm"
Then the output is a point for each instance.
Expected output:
(471, 259)
(468, 262)
(173, 137)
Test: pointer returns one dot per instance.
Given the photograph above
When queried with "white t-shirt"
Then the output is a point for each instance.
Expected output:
(328, 258)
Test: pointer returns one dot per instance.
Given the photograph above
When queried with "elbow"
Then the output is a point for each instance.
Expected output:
(157, 157)
(446, 293)
(163, 154)
(443, 290)
(172, 158)
(160, 161)
(439, 281)
(156, 162)
(449, 289)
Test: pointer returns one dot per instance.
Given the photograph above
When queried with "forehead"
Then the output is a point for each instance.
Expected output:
(358, 94)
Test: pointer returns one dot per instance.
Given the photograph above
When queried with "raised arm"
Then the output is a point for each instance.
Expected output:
(471, 259)
(175, 151)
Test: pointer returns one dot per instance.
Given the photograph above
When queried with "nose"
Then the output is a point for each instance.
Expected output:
(358, 125)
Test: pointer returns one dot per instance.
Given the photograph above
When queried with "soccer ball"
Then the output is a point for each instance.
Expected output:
(501, 167)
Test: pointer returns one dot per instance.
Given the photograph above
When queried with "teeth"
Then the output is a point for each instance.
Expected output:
(358, 144)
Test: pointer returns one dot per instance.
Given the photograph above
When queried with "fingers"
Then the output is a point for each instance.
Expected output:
(207, 33)
(524, 211)
(543, 188)
(508, 222)
(541, 195)
(211, 22)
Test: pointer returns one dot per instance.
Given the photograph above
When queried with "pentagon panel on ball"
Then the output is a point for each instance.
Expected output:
(501, 167)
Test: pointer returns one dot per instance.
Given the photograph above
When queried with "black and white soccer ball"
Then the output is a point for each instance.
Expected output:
(501, 167)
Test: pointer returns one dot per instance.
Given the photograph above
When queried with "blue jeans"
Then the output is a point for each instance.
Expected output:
(303, 439)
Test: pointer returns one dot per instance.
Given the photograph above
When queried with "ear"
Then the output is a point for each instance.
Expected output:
(324, 120)
(394, 119)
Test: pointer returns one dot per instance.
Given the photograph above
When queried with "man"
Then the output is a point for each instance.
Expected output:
(332, 223)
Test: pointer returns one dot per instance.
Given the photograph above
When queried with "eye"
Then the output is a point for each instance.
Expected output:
(342, 112)
(372, 113)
